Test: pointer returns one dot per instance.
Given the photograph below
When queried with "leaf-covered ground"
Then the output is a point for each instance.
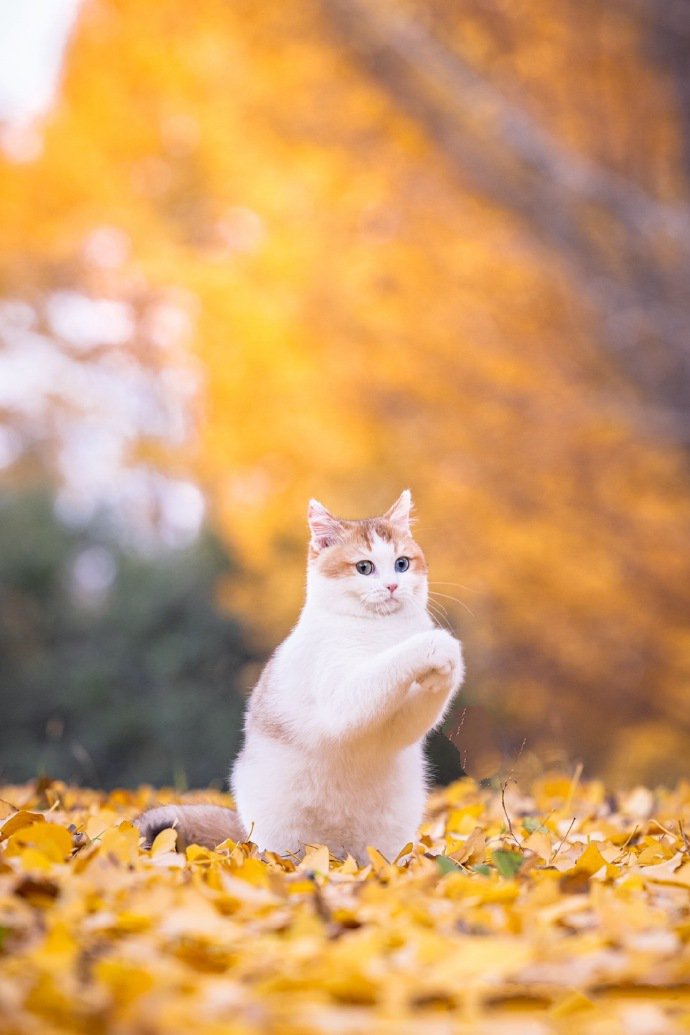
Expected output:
(565, 909)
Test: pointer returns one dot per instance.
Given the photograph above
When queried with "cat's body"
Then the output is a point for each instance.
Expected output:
(334, 731)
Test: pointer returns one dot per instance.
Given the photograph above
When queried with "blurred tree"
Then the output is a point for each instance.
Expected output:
(116, 669)
(626, 252)
(434, 244)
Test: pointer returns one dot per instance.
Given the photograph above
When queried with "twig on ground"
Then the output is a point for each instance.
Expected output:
(562, 842)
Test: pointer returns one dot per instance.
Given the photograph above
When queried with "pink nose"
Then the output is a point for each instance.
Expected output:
(392, 586)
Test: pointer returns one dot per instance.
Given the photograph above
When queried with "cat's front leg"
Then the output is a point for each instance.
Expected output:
(376, 690)
(442, 667)
(439, 676)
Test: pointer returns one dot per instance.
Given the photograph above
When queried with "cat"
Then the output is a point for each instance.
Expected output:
(335, 727)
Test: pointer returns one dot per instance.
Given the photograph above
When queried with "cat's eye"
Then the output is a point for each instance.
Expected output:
(364, 567)
(402, 564)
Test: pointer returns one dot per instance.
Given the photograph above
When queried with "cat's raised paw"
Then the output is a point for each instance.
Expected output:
(443, 664)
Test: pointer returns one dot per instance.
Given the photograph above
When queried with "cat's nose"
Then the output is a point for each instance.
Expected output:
(392, 586)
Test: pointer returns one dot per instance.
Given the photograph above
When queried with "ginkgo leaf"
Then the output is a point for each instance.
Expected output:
(50, 840)
(446, 865)
(18, 820)
(507, 862)
(540, 843)
(164, 841)
(316, 859)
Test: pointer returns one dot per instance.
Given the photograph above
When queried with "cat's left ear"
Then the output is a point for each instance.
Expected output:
(324, 527)
(399, 513)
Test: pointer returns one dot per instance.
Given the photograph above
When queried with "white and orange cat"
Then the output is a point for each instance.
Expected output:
(335, 727)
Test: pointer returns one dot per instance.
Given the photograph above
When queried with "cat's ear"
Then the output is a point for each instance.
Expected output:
(324, 527)
(399, 513)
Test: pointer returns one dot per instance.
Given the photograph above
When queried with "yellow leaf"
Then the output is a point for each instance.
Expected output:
(18, 820)
(32, 860)
(52, 842)
(132, 923)
(239, 891)
(163, 842)
(197, 854)
(126, 981)
(121, 843)
(349, 866)
(280, 862)
(382, 868)
(97, 824)
(654, 853)
(539, 843)
(316, 859)
(573, 1003)
(473, 848)
(591, 860)
(489, 889)
(409, 847)
(464, 821)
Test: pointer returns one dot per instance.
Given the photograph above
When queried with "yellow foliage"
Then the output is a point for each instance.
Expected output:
(558, 930)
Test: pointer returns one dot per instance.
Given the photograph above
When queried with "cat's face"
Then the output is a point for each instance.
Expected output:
(370, 567)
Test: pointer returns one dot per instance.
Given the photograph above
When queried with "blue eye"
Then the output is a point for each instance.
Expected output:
(402, 564)
(364, 567)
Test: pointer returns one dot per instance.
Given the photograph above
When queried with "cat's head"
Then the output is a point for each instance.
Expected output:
(369, 567)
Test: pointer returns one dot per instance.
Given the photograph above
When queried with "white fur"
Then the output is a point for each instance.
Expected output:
(355, 687)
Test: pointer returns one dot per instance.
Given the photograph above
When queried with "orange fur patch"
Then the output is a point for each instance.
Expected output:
(336, 561)
(261, 715)
(356, 540)
(410, 549)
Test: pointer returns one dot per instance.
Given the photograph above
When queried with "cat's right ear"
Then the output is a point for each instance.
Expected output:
(324, 527)
(399, 513)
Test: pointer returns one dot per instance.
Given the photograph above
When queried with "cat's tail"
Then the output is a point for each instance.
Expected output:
(205, 825)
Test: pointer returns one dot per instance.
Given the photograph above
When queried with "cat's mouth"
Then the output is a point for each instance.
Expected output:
(385, 606)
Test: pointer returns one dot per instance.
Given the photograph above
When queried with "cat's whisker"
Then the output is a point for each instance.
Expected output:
(437, 618)
(440, 619)
(422, 610)
(446, 596)
(438, 605)
(457, 600)
(435, 607)
(460, 585)
(377, 603)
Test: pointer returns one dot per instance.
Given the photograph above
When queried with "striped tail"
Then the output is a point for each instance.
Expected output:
(205, 825)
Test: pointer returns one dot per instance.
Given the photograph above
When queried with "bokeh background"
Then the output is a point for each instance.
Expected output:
(252, 253)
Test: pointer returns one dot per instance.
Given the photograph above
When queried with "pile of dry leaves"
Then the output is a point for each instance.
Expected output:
(564, 909)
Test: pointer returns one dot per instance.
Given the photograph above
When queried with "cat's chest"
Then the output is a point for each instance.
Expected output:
(346, 643)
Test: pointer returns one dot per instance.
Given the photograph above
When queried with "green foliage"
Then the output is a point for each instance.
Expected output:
(135, 679)
(446, 864)
(507, 863)
(533, 824)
